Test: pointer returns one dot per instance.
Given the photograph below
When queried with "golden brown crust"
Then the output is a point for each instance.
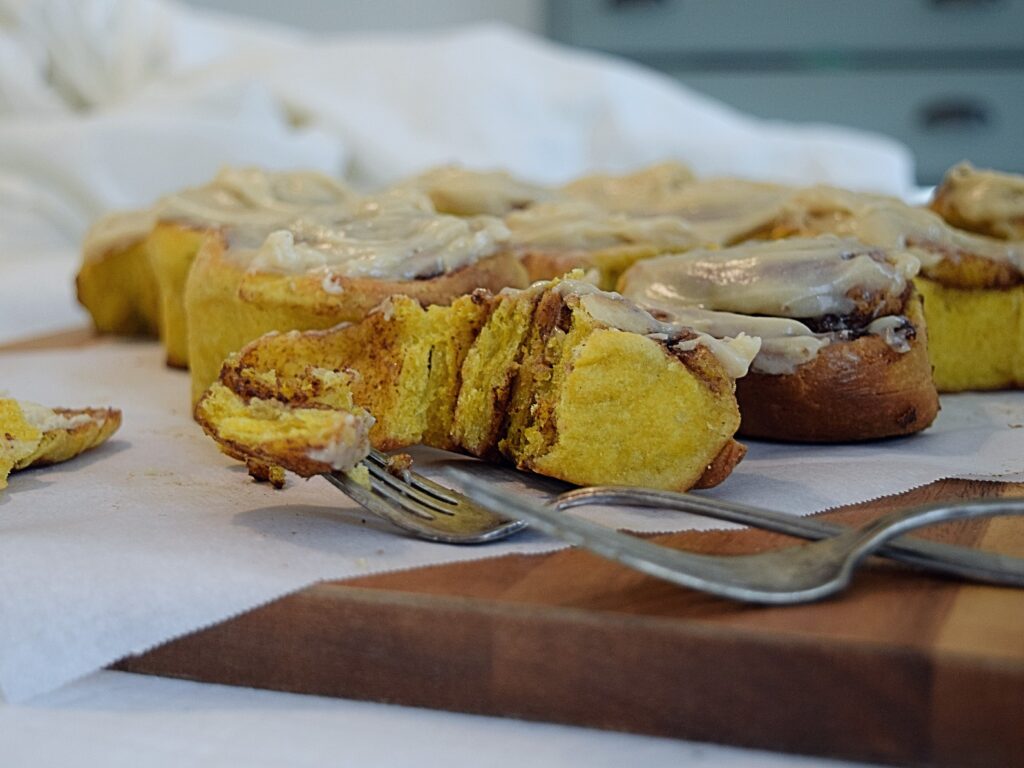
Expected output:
(852, 390)
(262, 472)
(965, 270)
(352, 298)
(546, 265)
(722, 465)
(265, 465)
(270, 434)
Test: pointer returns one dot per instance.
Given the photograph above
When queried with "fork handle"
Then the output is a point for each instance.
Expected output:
(963, 562)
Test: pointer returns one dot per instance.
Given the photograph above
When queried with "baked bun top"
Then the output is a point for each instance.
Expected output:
(988, 202)
(396, 236)
(235, 197)
(577, 224)
(797, 295)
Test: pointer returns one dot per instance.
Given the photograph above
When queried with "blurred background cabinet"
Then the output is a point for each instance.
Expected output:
(944, 76)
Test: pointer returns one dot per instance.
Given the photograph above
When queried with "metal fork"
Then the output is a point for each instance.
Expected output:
(430, 511)
(792, 575)
(421, 507)
(989, 567)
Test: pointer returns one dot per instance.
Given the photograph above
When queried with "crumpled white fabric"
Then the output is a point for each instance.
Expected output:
(108, 104)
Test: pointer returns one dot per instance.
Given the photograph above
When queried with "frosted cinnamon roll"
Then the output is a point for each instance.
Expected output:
(464, 192)
(640, 192)
(843, 351)
(973, 285)
(135, 263)
(987, 202)
(554, 238)
(334, 265)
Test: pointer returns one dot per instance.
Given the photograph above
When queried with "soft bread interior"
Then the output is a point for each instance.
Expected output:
(33, 435)
(975, 336)
(320, 430)
(530, 376)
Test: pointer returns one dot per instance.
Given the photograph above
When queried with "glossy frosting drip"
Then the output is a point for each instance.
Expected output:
(638, 192)
(251, 196)
(464, 192)
(393, 236)
(615, 311)
(986, 197)
(785, 343)
(575, 224)
(725, 211)
(797, 278)
(764, 289)
(235, 197)
(891, 224)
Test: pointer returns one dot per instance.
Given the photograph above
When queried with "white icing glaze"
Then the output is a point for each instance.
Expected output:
(47, 420)
(762, 288)
(724, 211)
(349, 447)
(464, 192)
(735, 354)
(890, 223)
(616, 311)
(331, 284)
(785, 344)
(638, 192)
(394, 236)
(575, 224)
(987, 195)
(235, 197)
(251, 196)
(798, 277)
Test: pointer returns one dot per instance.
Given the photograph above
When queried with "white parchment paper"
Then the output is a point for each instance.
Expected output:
(157, 534)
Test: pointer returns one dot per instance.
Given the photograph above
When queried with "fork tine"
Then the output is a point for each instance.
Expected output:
(390, 491)
(393, 509)
(377, 460)
(397, 489)
(407, 500)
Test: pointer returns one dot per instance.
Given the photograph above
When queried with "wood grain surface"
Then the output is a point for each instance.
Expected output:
(904, 668)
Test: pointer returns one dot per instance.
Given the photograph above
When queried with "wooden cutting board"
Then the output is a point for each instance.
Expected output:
(904, 668)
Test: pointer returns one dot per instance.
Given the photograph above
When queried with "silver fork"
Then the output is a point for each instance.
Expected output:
(988, 567)
(430, 511)
(793, 575)
(421, 507)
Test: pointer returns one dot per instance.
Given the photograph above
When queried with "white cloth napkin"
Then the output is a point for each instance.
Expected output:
(109, 103)
(156, 533)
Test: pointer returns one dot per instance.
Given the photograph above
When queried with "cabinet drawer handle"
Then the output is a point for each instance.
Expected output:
(943, 4)
(954, 114)
(619, 5)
